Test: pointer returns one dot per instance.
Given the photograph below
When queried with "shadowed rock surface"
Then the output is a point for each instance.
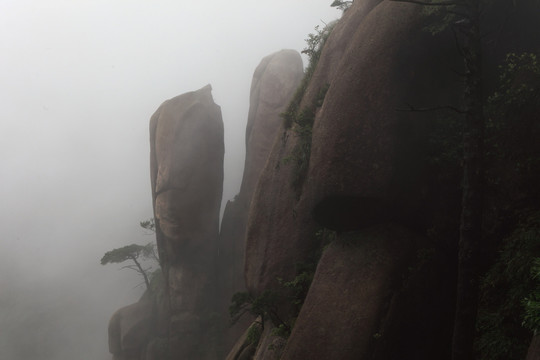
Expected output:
(369, 165)
(366, 154)
(274, 81)
(130, 328)
(353, 285)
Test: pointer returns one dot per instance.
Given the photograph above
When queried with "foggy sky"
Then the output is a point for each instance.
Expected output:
(79, 81)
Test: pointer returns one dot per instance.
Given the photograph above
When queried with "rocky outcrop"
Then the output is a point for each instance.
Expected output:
(130, 328)
(366, 154)
(354, 169)
(367, 166)
(186, 160)
(352, 289)
(274, 81)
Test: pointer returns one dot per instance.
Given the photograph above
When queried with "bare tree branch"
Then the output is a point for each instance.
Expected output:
(434, 108)
(425, 3)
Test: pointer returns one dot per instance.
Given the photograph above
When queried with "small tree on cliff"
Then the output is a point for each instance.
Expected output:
(342, 5)
(135, 253)
(149, 225)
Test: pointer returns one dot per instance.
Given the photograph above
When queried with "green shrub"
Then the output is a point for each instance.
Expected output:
(531, 319)
(508, 282)
(254, 334)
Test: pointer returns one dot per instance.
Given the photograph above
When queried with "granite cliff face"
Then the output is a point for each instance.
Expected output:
(274, 81)
(343, 236)
(186, 161)
(369, 175)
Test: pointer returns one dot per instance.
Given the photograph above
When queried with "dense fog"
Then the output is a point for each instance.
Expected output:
(79, 81)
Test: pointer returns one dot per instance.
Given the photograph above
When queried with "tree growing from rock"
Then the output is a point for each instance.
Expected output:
(134, 253)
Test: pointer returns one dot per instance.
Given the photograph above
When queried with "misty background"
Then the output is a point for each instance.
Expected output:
(79, 81)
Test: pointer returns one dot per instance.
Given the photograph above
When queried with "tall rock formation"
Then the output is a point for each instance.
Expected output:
(349, 213)
(186, 161)
(274, 81)
(364, 169)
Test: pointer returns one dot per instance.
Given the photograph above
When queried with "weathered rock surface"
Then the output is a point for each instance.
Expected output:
(356, 277)
(186, 160)
(130, 329)
(274, 81)
(335, 47)
(366, 153)
(360, 148)
(270, 346)
(280, 231)
(245, 347)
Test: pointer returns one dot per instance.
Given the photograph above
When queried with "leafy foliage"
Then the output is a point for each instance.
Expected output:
(301, 120)
(315, 43)
(263, 306)
(254, 334)
(149, 225)
(128, 252)
(518, 81)
(531, 319)
(301, 153)
(504, 288)
(293, 292)
(510, 298)
(440, 18)
(513, 127)
(341, 5)
(136, 254)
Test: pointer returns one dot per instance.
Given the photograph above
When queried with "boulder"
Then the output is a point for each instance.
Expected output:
(186, 161)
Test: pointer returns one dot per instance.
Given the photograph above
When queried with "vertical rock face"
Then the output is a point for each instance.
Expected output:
(368, 174)
(364, 161)
(358, 281)
(274, 81)
(366, 153)
(186, 160)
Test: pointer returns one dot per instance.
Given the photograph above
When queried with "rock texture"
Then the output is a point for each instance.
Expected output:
(352, 289)
(186, 160)
(130, 328)
(366, 154)
(384, 287)
(274, 81)
(368, 166)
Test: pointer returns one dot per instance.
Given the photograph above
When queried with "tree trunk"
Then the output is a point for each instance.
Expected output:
(143, 273)
(472, 200)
